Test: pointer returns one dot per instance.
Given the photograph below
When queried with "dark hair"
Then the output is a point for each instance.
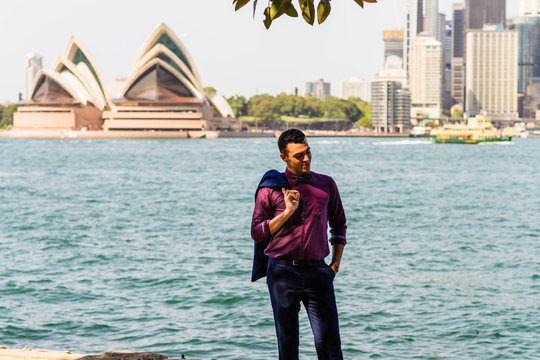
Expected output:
(290, 136)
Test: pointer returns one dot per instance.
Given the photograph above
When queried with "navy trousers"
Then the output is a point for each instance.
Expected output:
(290, 285)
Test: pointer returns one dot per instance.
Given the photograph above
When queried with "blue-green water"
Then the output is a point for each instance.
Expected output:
(145, 245)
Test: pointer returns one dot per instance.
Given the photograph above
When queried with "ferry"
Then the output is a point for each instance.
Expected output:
(421, 131)
(477, 130)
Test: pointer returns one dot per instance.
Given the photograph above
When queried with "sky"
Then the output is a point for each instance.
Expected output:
(233, 52)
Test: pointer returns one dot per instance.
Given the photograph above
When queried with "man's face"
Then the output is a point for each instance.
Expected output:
(298, 157)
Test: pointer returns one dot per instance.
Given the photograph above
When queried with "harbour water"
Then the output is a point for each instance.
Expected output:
(144, 245)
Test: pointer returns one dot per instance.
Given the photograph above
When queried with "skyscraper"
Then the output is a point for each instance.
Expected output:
(457, 88)
(481, 12)
(458, 30)
(390, 107)
(393, 43)
(530, 8)
(422, 18)
(528, 28)
(319, 89)
(33, 63)
(492, 72)
(354, 87)
(425, 77)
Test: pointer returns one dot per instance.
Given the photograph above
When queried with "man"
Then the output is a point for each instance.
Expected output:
(290, 218)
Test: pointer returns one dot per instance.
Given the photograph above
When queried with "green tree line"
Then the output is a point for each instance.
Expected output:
(266, 107)
(6, 115)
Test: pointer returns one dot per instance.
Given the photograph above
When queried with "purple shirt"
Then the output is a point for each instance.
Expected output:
(304, 235)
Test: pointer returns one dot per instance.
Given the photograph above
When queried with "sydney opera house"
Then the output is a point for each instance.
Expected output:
(163, 92)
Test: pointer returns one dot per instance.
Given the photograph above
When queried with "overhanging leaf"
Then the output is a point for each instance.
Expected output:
(240, 3)
(291, 11)
(267, 18)
(361, 2)
(323, 10)
(279, 7)
(308, 11)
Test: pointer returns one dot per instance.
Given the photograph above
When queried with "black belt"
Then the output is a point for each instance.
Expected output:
(312, 263)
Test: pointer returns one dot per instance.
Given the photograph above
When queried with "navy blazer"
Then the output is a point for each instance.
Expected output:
(273, 179)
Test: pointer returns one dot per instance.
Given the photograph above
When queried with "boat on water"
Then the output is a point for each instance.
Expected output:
(477, 130)
(421, 131)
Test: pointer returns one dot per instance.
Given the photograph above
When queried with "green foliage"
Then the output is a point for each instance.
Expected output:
(238, 105)
(211, 91)
(457, 114)
(365, 108)
(6, 115)
(263, 107)
(276, 8)
(266, 107)
(446, 112)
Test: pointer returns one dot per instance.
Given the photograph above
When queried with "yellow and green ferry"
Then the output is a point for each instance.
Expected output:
(477, 130)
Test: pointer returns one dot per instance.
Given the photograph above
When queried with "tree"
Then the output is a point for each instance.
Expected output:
(238, 105)
(6, 115)
(210, 91)
(263, 107)
(276, 8)
(313, 107)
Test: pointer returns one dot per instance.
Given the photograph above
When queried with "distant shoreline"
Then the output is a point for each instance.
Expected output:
(71, 134)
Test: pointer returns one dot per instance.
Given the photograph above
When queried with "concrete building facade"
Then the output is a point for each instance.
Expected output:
(492, 73)
(425, 77)
(530, 8)
(393, 43)
(481, 12)
(354, 87)
(319, 89)
(390, 107)
(33, 64)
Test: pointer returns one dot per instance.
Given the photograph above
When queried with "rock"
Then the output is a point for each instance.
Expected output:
(125, 356)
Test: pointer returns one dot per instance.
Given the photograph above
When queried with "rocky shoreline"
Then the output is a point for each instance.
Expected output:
(38, 354)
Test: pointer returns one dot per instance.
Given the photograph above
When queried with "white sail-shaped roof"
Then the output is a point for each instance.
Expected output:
(165, 36)
(164, 53)
(83, 78)
(51, 87)
(222, 106)
(165, 78)
(76, 53)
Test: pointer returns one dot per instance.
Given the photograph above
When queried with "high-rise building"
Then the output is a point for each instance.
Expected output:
(481, 12)
(393, 43)
(431, 17)
(457, 82)
(425, 77)
(447, 66)
(422, 17)
(390, 107)
(458, 30)
(530, 8)
(354, 87)
(492, 72)
(457, 90)
(528, 28)
(33, 63)
(393, 71)
(319, 89)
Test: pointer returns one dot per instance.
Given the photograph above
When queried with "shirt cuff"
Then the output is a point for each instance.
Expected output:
(265, 229)
(338, 240)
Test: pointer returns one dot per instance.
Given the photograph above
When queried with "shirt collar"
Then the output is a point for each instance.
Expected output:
(289, 174)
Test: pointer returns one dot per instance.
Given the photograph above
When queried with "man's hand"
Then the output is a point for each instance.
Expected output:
(292, 199)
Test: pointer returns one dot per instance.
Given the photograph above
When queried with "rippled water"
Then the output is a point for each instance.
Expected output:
(145, 245)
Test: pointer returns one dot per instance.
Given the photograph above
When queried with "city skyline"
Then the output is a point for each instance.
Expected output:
(219, 38)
